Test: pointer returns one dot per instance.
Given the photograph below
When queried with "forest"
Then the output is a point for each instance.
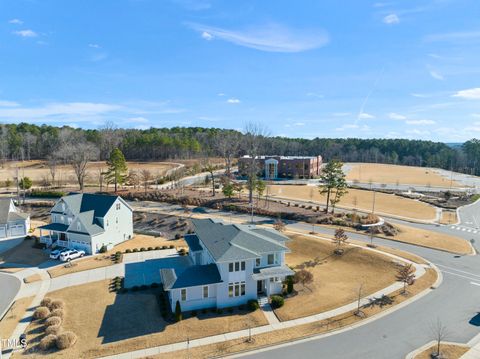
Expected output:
(25, 141)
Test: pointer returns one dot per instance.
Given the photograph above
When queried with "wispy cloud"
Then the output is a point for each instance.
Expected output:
(316, 95)
(396, 116)
(436, 75)
(365, 116)
(469, 94)
(353, 126)
(271, 37)
(206, 35)
(16, 22)
(233, 100)
(194, 5)
(420, 122)
(25, 33)
(94, 46)
(454, 36)
(391, 19)
(341, 114)
(6, 103)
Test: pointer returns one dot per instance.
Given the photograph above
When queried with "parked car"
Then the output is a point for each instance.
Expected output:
(71, 254)
(55, 254)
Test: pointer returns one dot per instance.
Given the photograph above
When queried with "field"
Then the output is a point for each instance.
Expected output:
(393, 174)
(361, 200)
(13, 316)
(125, 322)
(39, 172)
(335, 278)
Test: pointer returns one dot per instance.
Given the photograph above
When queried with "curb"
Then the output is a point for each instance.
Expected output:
(417, 351)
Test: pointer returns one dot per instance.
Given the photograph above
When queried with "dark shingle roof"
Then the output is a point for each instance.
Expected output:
(192, 241)
(191, 277)
(59, 227)
(84, 202)
(234, 241)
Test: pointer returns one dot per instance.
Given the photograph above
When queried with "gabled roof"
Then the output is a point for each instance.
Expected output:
(227, 242)
(6, 214)
(84, 202)
(193, 243)
(191, 277)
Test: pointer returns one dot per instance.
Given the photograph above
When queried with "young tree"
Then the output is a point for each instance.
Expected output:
(260, 187)
(279, 225)
(8, 183)
(227, 145)
(228, 190)
(238, 187)
(303, 277)
(210, 168)
(78, 155)
(133, 179)
(440, 333)
(117, 168)
(359, 293)
(146, 176)
(339, 238)
(340, 191)
(332, 178)
(25, 183)
(406, 275)
(52, 162)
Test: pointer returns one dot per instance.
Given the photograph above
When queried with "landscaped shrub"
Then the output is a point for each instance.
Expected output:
(48, 342)
(158, 248)
(182, 251)
(41, 313)
(193, 313)
(53, 329)
(289, 281)
(135, 250)
(219, 311)
(143, 249)
(57, 313)
(171, 246)
(154, 285)
(46, 302)
(102, 249)
(204, 311)
(253, 304)
(164, 247)
(47, 194)
(128, 250)
(53, 321)
(135, 288)
(66, 340)
(277, 301)
(230, 310)
(178, 312)
(57, 304)
(241, 307)
(178, 236)
(150, 248)
(143, 287)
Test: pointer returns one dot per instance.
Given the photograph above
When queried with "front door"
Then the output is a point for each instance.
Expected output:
(260, 286)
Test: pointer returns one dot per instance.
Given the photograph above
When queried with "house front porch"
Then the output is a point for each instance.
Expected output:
(270, 279)
(54, 234)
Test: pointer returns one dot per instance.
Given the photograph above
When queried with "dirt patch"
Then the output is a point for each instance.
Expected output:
(450, 351)
(336, 278)
(448, 217)
(146, 241)
(13, 316)
(125, 322)
(393, 174)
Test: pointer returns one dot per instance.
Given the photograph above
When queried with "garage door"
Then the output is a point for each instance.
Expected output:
(2, 232)
(17, 230)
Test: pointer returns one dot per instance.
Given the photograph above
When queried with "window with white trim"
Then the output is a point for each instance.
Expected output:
(270, 259)
(236, 289)
(257, 262)
(205, 291)
(236, 266)
(183, 294)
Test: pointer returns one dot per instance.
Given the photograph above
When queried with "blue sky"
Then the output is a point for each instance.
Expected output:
(357, 68)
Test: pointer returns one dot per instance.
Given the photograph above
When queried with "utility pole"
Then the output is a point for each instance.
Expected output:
(373, 205)
(18, 185)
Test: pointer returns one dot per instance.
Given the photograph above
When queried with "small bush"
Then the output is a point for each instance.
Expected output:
(135, 250)
(143, 249)
(204, 311)
(53, 321)
(158, 248)
(47, 342)
(241, 307)
(143, 287)
(57, 304)
(41, 313)
(171, 246)
(128, 250)
(253, 305)
(290, 284)
(57, 313)
(230, 310)
(178, 236)
(66, 340)
(53, 329)
(277, 301)
(182, 251)
(46, 302)
(154, 285)
(193, 313)
(103, 249)
(213, 310)
(178, 312)
(219, 311)
(135, 288)
(164, 247)
(150, 248)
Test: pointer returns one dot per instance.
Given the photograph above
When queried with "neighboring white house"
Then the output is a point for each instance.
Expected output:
(88, 221)
(13, 223)
(231, 264)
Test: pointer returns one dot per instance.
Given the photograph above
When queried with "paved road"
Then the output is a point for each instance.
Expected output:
(455, 303)
(9, 287)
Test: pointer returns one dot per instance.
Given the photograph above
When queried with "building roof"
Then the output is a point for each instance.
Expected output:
(193, 243)
(227, 242)
(269, 272)
(6, 215)
(191, 277)
(58, 227)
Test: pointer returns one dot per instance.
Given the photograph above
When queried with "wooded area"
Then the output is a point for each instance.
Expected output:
(28, 141)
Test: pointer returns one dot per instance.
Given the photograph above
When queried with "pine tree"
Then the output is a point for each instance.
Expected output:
(117, 168)
(333, 179)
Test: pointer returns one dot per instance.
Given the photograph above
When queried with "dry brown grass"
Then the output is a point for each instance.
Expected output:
(32, 278)
(390, 174)
(24, 254)
(13, 316)
(125, 322)
(450, 351)
(298, 332)
(91, 262)
(448, 217)
(336, 278)
(361, 200)
(142, 240)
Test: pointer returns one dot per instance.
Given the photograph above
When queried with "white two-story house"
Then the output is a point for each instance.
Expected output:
(88, 222)
(231, 264)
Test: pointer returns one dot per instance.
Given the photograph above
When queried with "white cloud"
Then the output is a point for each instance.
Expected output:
(270, 37)
(94, 46)
(16, 21)
(476, 115)
(353, 126)
(220, 94)
(421, 95)
(313, 94)
(25, 33)
(233, 100)
(396, 116)
(137, 120)
(420, 122)
(299, 124)
(416, 131)
(341, 114)
(207, 36)
(5, 103)
(454, 36)
(365, 116)
(436, 75)
(391, 19)
(469, 94)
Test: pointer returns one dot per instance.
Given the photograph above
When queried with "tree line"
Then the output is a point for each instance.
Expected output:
(28, 141)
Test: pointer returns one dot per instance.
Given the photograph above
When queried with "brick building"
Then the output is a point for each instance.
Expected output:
(274, 167)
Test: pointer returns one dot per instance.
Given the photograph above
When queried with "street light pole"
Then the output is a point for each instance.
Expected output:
(373, 205)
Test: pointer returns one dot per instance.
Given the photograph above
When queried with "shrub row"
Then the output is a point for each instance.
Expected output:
(143, 249)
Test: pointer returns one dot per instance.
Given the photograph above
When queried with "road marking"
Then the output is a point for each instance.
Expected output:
(458, 275)
(475, 283)
(457, 270)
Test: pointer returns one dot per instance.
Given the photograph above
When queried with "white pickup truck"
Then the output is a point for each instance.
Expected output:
(67, 256)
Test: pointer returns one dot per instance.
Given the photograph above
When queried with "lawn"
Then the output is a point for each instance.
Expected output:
(393, 174)
(24, 254)
(448, 217)
(13, 316)
(336, 278)
(450, 351)
(125, 322)
(361, 200)
(145, 241)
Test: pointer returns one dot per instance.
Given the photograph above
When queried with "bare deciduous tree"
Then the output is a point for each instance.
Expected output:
(78, 155)
(227, 145)
(279, 225)
(339, 238)
(406, 275)
(440, 333)
(146, 176)
(111, 137)
(303, 277)
(52, 162)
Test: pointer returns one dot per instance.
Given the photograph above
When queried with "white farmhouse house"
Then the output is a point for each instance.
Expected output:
(13, 223)
(88, 222)
(231, 264)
